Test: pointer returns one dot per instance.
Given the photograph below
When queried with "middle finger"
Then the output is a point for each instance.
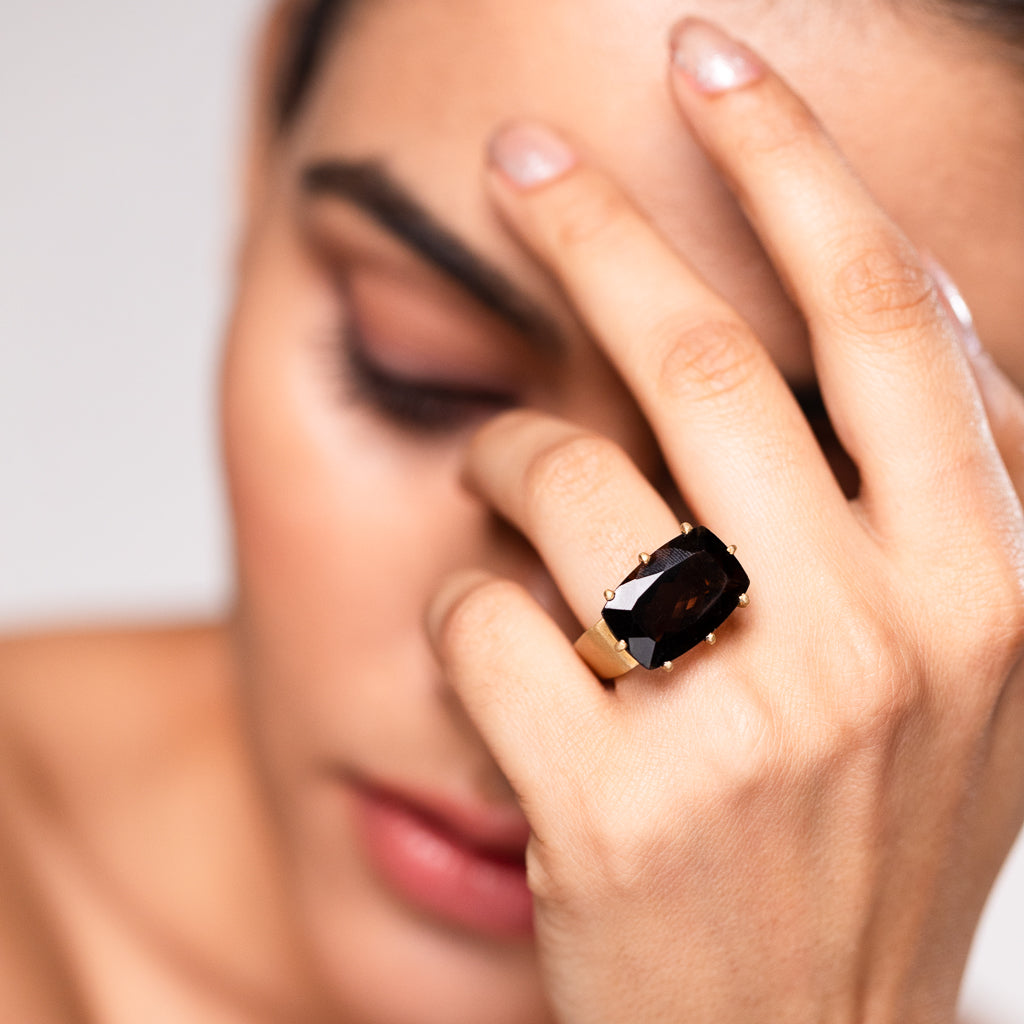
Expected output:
(728, 425)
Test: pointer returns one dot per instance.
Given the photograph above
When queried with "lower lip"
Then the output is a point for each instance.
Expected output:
(437, 873)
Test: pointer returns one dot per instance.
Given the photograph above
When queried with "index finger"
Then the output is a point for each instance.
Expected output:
(727, 423)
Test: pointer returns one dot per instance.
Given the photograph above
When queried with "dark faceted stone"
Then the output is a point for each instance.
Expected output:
(688, 589)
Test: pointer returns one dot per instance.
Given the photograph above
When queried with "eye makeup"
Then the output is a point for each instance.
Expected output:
(418, 360)
(431, 336)
(371, 188)
(416, 404)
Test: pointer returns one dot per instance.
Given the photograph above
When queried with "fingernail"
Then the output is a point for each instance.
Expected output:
(955, 305)
(711, 60)
(529, 154)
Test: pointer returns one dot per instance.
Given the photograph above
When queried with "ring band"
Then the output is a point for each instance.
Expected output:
(674, 599)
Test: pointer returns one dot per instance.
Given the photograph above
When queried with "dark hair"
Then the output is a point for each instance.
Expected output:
(1003, 18)
(316, 21)
(311, 30)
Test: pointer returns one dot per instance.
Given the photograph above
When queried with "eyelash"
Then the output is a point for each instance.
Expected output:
(416, 405)
(436, 408)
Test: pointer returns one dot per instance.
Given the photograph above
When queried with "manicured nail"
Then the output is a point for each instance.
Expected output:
(955, 305)
(712, 61)
(529, 154)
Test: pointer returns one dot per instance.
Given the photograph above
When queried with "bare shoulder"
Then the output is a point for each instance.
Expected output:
(92, 707)
(151, 677)
(36, 977)
(99, 728)
(120, 778)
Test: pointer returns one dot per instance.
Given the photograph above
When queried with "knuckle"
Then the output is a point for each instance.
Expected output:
(563, 877)
(757, 754)
(589, 856)
(709, 360)
(593, 210)
(783, 134)
(574, 467)
(1009, 607)
(996, 623)
(631, 849)
(746, 742)
(860, 684)
(986, 607)
(878, 713)
(476, 617)
(883, 289)
(882, 685)
(543, 879)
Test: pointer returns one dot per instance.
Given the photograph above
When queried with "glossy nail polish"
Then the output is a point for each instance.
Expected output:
(529, 154)
(711, 60)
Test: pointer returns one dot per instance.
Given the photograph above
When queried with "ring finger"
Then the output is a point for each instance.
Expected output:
(577, 497)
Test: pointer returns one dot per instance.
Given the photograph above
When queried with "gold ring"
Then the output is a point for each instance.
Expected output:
(674, 599)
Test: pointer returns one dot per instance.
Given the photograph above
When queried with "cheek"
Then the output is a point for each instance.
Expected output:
(333, 570)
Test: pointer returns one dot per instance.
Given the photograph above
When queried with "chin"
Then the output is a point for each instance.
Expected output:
(383, 961)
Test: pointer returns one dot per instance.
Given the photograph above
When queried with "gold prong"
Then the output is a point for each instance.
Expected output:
(667, 666)
(744, 600)
(731, 549)
(711, 639)
(644, 558)
(609, 595)
(621, 645)
(686, 528)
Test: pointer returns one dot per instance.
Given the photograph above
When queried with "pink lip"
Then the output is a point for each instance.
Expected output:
(462, 864)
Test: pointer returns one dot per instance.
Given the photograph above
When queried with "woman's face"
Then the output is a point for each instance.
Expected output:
(369, 340)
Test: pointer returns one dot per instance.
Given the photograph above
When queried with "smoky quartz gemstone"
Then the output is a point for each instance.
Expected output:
(687, 590)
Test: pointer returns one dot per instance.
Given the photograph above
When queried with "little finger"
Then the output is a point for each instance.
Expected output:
(533, 700)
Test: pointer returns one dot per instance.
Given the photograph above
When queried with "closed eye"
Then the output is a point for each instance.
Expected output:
(416, 404)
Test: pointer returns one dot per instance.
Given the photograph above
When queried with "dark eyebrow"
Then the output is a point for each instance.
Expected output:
(370, 186)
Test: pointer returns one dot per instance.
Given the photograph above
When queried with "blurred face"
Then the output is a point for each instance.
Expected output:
(384, 312)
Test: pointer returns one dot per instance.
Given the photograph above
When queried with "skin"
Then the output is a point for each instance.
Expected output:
(784, 824)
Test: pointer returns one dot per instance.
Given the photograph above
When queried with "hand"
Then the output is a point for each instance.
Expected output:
(802, 824)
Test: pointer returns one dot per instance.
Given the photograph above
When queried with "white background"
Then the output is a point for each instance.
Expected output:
(118, 125)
